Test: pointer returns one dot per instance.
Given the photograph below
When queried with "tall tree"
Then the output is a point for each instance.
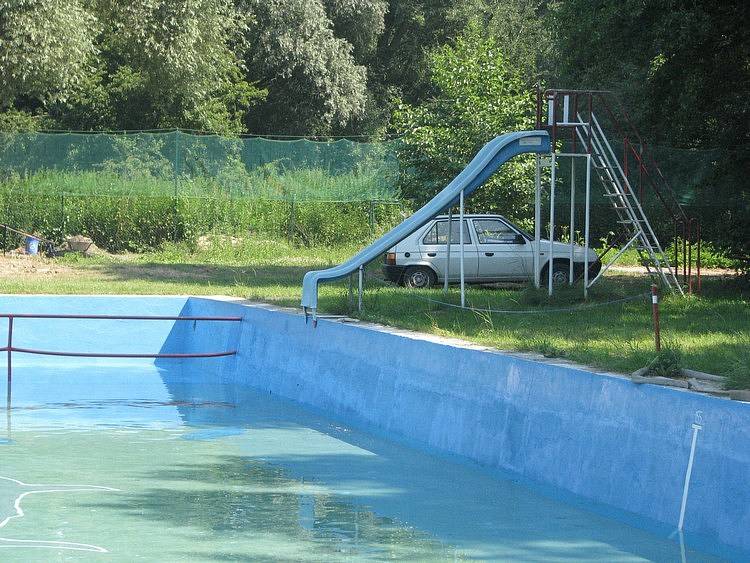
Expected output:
(46, 48)
(314, 82)
(478, 96)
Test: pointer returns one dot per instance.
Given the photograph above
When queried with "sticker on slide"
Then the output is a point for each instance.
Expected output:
(530, 141)
(12, 493)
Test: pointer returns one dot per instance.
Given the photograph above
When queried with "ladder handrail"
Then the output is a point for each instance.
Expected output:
(634, 215)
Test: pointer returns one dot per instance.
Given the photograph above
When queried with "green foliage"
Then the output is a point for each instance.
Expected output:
(45, 48)
(667, 363)
(478, 97)
(315, 82)
(738, 376)
(141, 211)
(14, 121)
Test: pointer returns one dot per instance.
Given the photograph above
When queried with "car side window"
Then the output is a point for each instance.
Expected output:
(494, 231)
(438, 234)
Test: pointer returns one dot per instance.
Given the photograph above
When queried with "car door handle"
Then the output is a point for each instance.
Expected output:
(432, 254)
(489, 253)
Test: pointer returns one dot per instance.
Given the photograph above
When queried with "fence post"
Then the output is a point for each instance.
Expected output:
(175, 173)
(371, 218)
(62, 209)
(655, 314)
(290, 226)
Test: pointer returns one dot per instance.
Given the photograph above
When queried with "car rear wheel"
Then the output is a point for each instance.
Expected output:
(560, 275)
(419, 277)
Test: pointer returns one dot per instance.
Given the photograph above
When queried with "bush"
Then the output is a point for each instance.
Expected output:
(138, 222)
(667, 363)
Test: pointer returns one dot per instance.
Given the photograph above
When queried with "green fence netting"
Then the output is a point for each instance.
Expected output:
(183, 164)
(131, 191)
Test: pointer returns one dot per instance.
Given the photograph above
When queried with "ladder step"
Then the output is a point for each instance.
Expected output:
(632, 221)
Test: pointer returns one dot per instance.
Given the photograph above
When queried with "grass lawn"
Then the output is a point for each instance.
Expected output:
(711, 331)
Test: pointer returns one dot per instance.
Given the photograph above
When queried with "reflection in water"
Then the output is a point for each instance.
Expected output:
(217, 472)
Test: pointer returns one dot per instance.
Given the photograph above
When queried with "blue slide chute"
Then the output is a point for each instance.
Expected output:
(491, 157)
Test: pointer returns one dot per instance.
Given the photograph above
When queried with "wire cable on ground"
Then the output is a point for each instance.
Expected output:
(519, 311)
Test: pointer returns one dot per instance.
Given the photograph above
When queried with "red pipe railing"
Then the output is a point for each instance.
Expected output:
(10, 348)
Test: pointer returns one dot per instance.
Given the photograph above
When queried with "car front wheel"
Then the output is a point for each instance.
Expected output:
(419, 277)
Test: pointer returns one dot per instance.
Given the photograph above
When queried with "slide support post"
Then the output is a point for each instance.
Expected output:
(461, 243)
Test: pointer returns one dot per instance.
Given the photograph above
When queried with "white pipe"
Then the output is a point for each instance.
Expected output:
(448, 255)
(566, 108)
(696, 428)
(550, 259)
(550, 110)
(586, 229)
(461, 242)
(572, 216)
(537, 219)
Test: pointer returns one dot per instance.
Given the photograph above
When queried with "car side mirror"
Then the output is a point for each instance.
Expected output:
(520, 239)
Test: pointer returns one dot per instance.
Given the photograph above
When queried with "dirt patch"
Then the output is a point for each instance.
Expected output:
(13, 265)
(713, 272)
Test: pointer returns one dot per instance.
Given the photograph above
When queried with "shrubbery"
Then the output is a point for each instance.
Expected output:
(141, 221)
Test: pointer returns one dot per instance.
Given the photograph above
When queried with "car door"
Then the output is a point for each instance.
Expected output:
(504, 254)
(433, 246)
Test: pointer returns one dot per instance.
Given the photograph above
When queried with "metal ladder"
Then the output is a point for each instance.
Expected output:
(618, 190)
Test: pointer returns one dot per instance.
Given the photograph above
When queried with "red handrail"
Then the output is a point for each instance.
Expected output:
(10, 348)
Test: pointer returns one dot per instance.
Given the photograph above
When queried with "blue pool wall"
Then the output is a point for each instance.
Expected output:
(595, 436)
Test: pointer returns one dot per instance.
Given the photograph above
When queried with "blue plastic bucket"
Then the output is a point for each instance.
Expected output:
(32, 245)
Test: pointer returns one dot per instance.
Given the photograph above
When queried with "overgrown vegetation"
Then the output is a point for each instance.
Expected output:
(738, 374)
(139, 223)
(667, 363)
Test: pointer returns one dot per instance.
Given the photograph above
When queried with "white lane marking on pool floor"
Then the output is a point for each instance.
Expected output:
(15, 511)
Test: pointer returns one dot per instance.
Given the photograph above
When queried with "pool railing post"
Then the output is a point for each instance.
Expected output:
(10, 356)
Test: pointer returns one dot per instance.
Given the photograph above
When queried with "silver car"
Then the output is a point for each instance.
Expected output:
(495, 250)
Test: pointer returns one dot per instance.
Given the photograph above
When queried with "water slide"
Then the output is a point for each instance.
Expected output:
(491, 157)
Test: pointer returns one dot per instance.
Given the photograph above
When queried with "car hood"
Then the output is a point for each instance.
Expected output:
(563, 249)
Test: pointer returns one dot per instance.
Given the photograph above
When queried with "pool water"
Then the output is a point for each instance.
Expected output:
(141, 462)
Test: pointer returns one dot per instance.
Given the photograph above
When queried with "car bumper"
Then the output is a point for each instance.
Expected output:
(393, 273)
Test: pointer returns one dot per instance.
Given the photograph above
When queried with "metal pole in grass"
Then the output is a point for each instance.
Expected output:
(290, 230)
(461, 243)
(10, 355)
(587, 221)
(62, 209)
(655, 314)
(537, 218)
(361, 287)
(351, 293)
(550, 259)
(572, 216)
(448, 253)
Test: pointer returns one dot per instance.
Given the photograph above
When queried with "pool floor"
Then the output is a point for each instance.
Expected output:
(133, 461)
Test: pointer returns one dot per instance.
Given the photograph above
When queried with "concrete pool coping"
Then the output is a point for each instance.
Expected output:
(444, 340)
(388, 329)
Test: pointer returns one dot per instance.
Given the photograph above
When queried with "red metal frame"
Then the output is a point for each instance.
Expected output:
(10, 348)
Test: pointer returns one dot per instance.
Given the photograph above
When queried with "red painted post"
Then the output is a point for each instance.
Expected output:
(698, 257)
(655, 313)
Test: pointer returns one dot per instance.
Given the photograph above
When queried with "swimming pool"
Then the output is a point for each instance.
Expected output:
(260, 456)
